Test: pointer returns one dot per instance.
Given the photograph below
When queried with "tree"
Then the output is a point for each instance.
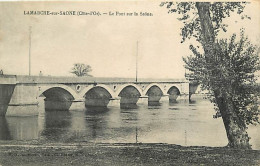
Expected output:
(225, 68)
(80, 70)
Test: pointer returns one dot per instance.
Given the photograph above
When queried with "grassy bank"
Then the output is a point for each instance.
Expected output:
(123, 154)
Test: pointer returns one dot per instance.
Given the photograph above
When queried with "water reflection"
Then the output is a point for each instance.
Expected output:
(154, 103)
(173, 103)
(175, 123)
(95, 120)
(18, 128)
(57, 124)
(95, 110)
(128, 106)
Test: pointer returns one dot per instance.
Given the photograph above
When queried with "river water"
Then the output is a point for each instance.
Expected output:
(183, 123)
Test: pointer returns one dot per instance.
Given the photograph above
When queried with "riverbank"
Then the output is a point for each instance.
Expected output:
(123, 154)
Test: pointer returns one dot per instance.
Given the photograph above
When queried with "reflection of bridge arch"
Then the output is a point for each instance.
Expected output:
(87, 89)
(128, 85)
(151, 85)
(64, 88)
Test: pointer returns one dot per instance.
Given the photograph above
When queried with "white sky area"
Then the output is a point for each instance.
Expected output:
(108, 44)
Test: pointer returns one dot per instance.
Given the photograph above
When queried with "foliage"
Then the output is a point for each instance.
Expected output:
(80, 70)
(189, 16)
(234, 64)
(226, 68)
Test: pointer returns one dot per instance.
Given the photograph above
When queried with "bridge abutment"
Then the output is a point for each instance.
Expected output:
(23, 101)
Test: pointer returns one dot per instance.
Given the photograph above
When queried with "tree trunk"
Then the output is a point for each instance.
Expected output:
(235, 129)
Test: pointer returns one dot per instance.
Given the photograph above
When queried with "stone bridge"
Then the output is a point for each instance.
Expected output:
(60, 92)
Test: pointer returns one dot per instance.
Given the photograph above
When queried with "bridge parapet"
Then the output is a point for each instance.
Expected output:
(79, 80)
(6, 79)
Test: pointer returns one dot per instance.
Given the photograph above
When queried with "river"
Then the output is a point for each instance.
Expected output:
(182, 123)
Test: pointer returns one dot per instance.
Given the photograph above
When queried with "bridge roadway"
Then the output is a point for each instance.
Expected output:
(60, 92)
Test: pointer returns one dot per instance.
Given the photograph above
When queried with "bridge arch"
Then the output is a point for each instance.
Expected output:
(173, 88)
(119, 90)
(178, 87)
(129, 95)
(85, 90)
(151, 85)
(154, 92)
(173, 93)
(64, 88)
(58, 97)
(97, 95)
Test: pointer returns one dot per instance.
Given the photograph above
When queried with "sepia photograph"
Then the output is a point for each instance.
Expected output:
(129, 83)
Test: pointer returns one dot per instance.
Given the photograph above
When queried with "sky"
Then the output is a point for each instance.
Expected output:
(107, 43)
